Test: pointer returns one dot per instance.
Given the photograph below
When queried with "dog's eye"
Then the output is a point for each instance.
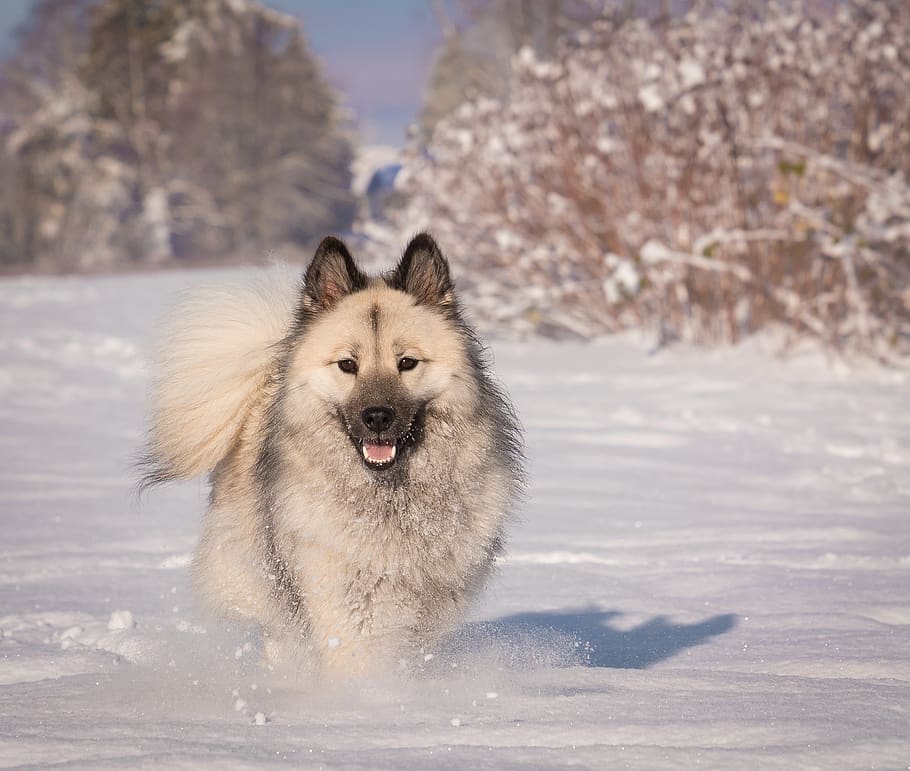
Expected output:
(348, 365)
(405, 363)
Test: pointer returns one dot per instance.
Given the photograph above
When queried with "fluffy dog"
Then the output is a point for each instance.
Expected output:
(363, 462)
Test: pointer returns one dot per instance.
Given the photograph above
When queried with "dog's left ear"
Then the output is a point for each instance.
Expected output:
(331, 275)
(424, 273)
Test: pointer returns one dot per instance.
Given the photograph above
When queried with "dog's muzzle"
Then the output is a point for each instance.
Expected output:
(381, 445)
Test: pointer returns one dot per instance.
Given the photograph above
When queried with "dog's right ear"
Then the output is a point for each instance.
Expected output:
(331, 275)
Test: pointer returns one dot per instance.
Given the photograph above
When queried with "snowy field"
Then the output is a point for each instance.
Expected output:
(712, 569)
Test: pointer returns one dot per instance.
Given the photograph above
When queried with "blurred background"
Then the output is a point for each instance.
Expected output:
(706, 170)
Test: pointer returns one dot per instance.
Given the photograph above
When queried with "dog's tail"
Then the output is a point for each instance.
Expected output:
(209, 369)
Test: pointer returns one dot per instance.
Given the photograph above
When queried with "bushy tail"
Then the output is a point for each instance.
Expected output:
(208, 369)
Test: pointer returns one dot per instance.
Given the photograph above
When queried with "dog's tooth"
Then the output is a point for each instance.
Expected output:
(392, 449)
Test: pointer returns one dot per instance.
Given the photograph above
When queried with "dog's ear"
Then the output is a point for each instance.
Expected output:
(424, 273)
(331, 275)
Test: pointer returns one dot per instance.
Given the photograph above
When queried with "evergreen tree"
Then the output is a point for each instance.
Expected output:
(166, 129)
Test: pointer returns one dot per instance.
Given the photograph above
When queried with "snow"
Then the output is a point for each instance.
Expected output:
(691, 73)
(711, 569)
(367, 160)
(649, 96)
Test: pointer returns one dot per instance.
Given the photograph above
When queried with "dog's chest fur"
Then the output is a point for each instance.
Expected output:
(415, 528)
(415, 546)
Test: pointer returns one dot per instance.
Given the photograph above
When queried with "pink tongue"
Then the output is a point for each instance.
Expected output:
(379, 452)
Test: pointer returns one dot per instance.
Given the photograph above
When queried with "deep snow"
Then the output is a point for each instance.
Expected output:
(712, 569)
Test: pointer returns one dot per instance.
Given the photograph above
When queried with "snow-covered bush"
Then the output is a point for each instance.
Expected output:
(709, 175)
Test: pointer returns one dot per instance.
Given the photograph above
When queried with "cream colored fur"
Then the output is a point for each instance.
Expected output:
(382, 569)
(210, 367)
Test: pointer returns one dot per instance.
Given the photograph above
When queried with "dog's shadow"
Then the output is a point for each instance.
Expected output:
(587, 636)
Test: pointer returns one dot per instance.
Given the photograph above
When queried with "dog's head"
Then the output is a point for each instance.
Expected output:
(378, 354)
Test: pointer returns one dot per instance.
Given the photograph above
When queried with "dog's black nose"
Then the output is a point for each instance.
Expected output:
(378, 419)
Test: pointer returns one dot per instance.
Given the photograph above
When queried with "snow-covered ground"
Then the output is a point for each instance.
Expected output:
(712, 569)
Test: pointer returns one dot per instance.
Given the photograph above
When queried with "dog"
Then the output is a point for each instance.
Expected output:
(363, 461)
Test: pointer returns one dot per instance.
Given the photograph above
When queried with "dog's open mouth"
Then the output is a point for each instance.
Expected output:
(378, 455)
(381, 451)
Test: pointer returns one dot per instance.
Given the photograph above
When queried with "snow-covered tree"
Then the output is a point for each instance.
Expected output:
(710, 173)
(167, 129)
(479, 39)
(259, 128)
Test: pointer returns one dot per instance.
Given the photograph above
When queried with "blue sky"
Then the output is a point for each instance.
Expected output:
(378, 52)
